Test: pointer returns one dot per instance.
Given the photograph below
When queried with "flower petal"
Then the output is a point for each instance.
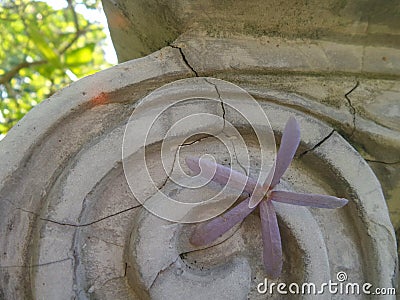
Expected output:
(222, 174)
(272, 252)
(289, 143)
(313, 200)
(207, 232)
(258, 194)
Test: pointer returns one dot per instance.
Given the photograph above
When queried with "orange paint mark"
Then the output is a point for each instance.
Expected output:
(118, 20)
(100, 99)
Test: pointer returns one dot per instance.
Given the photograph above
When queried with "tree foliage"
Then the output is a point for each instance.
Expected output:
(43, 50)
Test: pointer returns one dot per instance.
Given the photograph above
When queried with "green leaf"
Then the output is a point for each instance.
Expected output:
(31, 30)
(41, 44)
(45, 70)
(80, 56)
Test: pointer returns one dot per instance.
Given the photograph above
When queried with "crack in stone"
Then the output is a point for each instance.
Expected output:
(174, 161)
(195, 141)
(317, 144)
(202, 138)
(117, 277)
(182, 254)
(72, 224)
(237, 159)
(161, 271)
(102, 284)
(383, 162)
(90, 223)
(213, 245)
(352, 108)
(38, 265)
(221, 101)
(111, 279)
(168, 174)
(185, 59)
(105, 241)
(171, 241)
(22, 209)
(163, 184)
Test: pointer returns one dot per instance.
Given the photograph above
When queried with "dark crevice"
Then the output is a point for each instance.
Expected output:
(114, 214)
(352, 108)
(161, 271)
(168, 174)
(383, 162)
(90, 223)
(185, 59)
(190, 143)
(203, 137)
(237, 159)
(71, 224)
(221, 101)
(194, 141)
(239, 225)
(174, 161)
(317, 144)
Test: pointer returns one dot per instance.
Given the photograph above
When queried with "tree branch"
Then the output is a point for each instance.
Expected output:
(78, 31)
(75, 16)
(11, 93)
(14, 71)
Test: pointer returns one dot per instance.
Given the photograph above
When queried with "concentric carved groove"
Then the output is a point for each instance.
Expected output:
(67, 169)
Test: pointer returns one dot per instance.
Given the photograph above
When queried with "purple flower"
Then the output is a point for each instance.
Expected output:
(262, 196)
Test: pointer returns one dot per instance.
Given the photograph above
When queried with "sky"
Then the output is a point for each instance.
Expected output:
(91, 15)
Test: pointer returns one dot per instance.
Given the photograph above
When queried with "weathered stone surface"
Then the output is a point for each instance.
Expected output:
(319, 50)
(69, 217)
(141, 27)
(362, 107)
(40, 152)
(83, 222)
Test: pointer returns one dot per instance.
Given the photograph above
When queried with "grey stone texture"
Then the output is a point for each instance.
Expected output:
(315, 49)
(70, 226)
